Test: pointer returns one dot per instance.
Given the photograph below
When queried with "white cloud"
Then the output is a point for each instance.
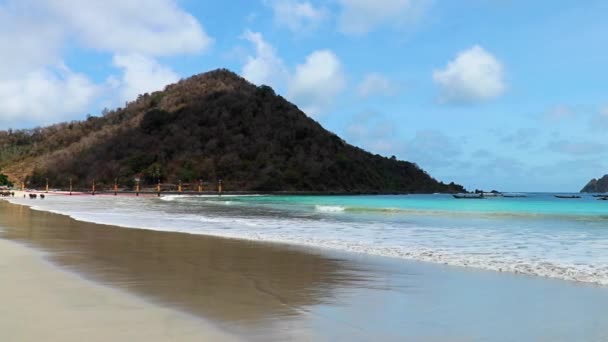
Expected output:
(296, 15)
(28, 42)
(35, 85)
(313, 85)
(141, 75)
(317, 81)
(474, 75)
(150, 27)
(44, 96)
(265, 67)
(362, 16)
(376, 84)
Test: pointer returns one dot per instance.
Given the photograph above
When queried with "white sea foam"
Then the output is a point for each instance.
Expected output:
(330, 208)
(178, 197)
(571, 254)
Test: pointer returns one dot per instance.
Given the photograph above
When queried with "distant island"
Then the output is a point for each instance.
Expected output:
(211, 126)
(597, 185)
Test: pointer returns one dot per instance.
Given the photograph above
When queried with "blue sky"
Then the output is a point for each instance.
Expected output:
(499, 94)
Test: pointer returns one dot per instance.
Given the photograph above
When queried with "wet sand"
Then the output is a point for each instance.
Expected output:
(243, 287)
(264, 291)
(41, 303)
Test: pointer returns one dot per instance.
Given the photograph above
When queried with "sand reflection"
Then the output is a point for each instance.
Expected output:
(221, 279)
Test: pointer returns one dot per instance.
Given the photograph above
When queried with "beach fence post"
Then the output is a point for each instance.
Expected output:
(219, 187)
(157, 174)
(22, 186)
(200, 185)
(70, 186)
(179, 186)
(93, 188)
(115, 186)
(47, 186)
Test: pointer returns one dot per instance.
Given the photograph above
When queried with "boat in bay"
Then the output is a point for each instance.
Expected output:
(469, 196)
(567, 196)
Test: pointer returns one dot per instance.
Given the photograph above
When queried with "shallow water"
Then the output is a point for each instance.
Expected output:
(537, 235)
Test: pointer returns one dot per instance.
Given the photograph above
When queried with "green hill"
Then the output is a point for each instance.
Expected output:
(210, 126)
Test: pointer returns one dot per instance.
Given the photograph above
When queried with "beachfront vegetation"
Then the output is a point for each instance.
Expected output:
(4, 181)
(211, 126)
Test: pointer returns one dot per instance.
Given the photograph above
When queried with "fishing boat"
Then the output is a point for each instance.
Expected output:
(468, 196)
(567, 196)
(492, 194)
(600, 195)
(604, 198)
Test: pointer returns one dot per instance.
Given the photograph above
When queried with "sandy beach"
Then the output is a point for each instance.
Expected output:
(123, 284)
(42, 303)
(241, 286)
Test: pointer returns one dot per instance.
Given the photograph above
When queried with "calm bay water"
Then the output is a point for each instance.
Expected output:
(537, 235)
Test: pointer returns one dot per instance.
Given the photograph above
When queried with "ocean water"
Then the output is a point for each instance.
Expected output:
(537, 235)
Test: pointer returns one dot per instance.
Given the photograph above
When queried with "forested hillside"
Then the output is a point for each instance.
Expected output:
(210, 126)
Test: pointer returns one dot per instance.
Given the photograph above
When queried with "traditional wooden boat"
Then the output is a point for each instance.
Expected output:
(600, 195)
(468, 196)
(567, 196)
(492, 194)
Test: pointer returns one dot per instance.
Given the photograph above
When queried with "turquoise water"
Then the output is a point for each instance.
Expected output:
(533, 204)
(539, 234)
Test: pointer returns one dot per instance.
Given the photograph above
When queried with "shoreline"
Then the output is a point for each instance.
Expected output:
(353, 251)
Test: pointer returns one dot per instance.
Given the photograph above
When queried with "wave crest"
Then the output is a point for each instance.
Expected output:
(330, 208)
